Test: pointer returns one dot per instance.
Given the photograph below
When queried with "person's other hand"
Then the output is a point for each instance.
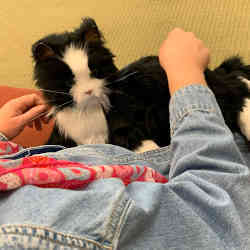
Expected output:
(22, 111)
(184, 59)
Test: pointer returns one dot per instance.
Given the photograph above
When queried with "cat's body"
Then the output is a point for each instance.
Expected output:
(94, 102)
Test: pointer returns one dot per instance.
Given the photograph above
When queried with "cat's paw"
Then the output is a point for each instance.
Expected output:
(244, 119)
(244, 115)
(147, 145)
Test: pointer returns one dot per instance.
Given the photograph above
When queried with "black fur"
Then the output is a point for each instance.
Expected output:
(138, 93)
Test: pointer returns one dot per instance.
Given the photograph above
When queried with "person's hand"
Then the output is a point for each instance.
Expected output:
(184, 59)
(22, 111)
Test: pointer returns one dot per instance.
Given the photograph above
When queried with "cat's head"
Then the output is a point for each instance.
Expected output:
(71, 67)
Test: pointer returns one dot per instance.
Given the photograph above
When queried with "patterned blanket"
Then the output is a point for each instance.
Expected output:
(48, 172)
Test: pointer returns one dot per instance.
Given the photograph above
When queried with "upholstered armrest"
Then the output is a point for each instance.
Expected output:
(30, 136)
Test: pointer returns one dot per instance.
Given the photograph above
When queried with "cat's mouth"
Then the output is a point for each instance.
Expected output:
(87, 101)
(90, 100)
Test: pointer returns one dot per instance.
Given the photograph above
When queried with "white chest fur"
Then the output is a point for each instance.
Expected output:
(244, 116)
(84, 127)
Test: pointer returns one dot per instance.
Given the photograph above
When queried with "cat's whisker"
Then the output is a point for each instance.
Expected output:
(40, 115)
(54, 112)
(55, 92)
(68, 102)
(123, 78)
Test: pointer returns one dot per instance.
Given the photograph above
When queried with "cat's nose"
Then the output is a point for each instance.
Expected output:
(89, 92)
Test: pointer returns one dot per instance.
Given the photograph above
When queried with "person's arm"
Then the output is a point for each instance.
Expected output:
(201, 142)
(205, 204)
(200, 137)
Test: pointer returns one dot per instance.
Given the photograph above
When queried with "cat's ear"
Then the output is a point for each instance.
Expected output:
(89, 30)
(42, 51)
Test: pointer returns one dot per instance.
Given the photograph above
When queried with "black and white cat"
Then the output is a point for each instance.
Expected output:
(93, 102)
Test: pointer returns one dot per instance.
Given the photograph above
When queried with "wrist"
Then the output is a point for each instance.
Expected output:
(8, 130)
(183, 78)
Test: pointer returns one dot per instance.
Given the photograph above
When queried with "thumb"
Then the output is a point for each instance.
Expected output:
(32, 114)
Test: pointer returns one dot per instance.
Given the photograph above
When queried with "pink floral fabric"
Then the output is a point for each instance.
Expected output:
(48, 172)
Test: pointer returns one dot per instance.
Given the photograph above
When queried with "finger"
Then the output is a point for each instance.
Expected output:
(46, 119)
(28, 101)
(47, 116)
(177, 30)
(38, 124)
(190, 33)
(30, 124)
(32, 114)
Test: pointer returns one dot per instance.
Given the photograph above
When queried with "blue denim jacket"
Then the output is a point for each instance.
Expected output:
(205, 205)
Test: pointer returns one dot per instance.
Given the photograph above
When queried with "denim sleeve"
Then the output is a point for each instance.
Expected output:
(201, 142)
(205, 204)
(208, 174)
